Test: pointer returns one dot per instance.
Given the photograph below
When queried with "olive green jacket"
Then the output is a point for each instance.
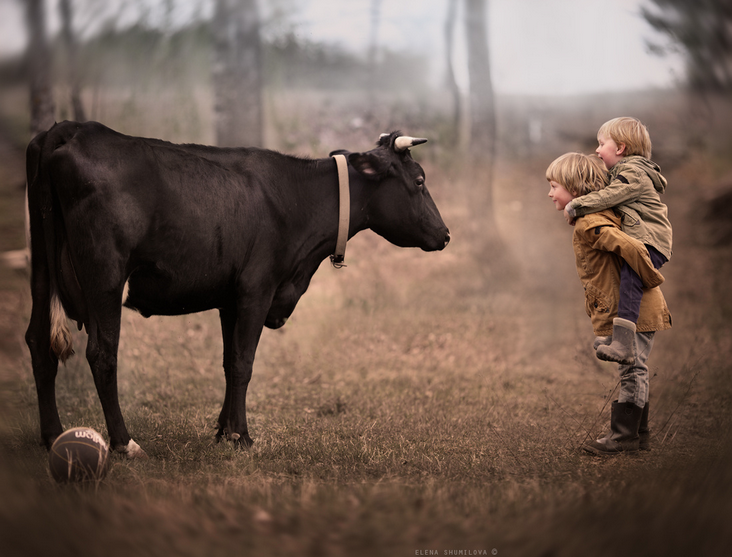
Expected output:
(598, 245)
(634, 190)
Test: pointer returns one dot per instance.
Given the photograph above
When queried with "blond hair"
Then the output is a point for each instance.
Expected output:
(578, 173)
(629, 132)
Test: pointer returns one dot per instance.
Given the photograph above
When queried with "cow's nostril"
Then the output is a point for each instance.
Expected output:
(447, 239)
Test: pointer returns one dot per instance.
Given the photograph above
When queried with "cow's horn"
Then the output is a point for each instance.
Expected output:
(405, 142)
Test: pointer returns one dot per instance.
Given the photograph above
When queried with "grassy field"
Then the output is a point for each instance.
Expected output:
(415, 404)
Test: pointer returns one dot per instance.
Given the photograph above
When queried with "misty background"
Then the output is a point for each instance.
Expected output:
(408, 51)
(534, 43)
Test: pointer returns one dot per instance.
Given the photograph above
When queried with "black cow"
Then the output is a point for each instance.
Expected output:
(179, 229)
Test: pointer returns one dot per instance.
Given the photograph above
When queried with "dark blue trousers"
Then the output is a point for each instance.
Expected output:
(631, 286)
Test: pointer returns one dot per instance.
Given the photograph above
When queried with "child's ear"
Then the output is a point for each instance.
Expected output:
(621, 149)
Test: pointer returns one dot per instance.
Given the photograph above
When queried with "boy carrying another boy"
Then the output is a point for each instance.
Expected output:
(635, 185)
(600, 247)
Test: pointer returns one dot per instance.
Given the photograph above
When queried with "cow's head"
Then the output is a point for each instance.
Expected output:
(396, 201)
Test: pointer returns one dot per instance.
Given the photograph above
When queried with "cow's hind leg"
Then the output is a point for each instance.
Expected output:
(101, 353)
(38, 334)
(44, 361)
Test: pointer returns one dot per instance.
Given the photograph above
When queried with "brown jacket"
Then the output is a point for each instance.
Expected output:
(599, 246)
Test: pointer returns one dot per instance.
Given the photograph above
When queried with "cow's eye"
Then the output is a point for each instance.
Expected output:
(419, 181)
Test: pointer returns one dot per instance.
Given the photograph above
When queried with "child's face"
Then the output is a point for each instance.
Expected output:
(559, 195)
(609, 151)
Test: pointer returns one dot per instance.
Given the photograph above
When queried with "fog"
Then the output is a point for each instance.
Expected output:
(538, 47)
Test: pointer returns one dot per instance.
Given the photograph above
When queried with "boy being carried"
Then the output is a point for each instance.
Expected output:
(634, 191)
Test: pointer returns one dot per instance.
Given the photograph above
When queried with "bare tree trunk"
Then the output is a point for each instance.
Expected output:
(67, 32)
(237, 74)
(373, 51)
(482, 122)
(482, 104)
(451, 81)
(39, 63)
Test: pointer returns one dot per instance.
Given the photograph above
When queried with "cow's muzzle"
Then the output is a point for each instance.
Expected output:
(438, 243)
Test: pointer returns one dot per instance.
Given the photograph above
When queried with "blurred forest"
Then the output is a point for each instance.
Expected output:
(122, 75)
(238, 72)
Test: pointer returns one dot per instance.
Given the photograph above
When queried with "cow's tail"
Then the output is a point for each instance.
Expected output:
(45, 232)
(62, 343)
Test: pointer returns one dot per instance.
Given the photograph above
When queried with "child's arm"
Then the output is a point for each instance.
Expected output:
(618, 192)
(612, 239)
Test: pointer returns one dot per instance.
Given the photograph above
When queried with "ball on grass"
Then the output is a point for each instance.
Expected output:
(79, 454)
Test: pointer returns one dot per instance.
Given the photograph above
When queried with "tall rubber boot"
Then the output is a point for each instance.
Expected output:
(625, 420)
(622, 348)
(644, 432)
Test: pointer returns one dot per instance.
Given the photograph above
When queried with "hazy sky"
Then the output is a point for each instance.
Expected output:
(537, 46)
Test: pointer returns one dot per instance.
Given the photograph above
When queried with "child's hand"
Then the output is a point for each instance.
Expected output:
(570, 220)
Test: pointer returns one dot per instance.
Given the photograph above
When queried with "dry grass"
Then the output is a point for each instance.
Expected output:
(414, 402)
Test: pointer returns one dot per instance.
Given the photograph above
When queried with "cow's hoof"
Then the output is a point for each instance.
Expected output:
(133, 451)
(241, 440)
(48, 443)
(222, 434)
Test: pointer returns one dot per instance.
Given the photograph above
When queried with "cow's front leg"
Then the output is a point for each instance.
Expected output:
(241, 331)
(228, 323)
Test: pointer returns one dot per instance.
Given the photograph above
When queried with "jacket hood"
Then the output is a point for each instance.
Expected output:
(642, 164)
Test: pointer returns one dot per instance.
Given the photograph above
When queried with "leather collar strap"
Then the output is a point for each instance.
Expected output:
(344, 212)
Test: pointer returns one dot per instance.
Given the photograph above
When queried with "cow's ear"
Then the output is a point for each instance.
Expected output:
(368, 165)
